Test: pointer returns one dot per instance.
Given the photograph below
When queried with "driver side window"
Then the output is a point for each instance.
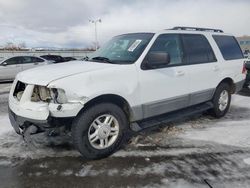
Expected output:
(14, 61)
(169, 43)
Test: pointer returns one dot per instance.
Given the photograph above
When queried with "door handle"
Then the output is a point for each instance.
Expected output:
(216, 68)
(180, 73)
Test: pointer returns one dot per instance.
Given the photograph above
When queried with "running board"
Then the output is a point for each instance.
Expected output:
(170, 117)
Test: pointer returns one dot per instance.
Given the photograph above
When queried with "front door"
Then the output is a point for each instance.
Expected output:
(31, 62)
(164, 89)
(10, 67)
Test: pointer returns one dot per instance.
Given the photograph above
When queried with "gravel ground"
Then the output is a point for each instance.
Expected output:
(196, 152)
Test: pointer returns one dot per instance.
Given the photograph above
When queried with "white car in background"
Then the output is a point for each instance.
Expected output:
(9, 67)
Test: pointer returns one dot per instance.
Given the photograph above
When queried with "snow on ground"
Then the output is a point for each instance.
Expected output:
(5, 88)
(247, 161)
(12, 145)
(5, 126)
(232, 133)
(232, 130)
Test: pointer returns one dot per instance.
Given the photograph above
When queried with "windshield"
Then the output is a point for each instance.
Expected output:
(122, 49)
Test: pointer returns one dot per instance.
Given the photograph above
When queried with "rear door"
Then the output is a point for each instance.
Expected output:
(31, 62)
(10, 67)
(201, 66)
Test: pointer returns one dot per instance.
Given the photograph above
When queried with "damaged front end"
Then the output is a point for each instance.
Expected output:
(34, 109)
(44, 94)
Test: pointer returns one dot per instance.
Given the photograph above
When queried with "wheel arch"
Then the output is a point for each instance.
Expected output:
(111, 98)
(230, 82)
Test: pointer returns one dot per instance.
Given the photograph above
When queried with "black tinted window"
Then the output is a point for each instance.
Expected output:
(14, 61)
(169, 43)
(53, 58)
(229, 47)
(36, 59)
(27, 59)
(197, 49)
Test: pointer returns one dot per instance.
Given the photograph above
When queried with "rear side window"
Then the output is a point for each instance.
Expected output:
(229, 47)
(197, 49)
(36, 59)
(27, 59)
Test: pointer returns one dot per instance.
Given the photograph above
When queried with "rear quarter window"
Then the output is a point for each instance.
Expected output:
(229, 47)
(36, 59)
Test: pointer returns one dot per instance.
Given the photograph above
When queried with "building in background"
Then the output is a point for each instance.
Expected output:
(244, 42)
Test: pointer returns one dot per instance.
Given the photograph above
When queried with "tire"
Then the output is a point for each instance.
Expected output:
(90, 125)
(221, 107)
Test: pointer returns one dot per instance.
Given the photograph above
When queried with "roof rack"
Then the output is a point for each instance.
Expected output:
(197, 29)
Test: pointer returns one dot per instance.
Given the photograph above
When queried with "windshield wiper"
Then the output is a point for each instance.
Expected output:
(104, 59)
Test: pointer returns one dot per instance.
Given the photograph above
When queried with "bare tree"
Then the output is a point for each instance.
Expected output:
(22, 45)
(13, 46)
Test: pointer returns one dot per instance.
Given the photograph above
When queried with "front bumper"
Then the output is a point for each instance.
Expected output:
(20, 124)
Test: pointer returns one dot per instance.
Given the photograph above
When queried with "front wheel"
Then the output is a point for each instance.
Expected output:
(221, 101)
(100, 130)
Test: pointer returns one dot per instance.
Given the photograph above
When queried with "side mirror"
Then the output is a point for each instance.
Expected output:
(4, 64)
(157, 59)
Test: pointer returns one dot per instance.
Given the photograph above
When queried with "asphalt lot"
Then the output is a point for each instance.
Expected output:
(197, 152)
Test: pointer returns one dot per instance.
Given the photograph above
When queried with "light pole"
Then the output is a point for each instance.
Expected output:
(95, 22)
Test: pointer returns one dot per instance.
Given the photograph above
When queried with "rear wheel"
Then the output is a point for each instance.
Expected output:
(221, 100)
(100, 130)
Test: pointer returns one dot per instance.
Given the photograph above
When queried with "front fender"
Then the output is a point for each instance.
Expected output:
(121, 80)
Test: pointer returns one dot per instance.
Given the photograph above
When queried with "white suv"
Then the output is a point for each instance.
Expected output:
(133, 82)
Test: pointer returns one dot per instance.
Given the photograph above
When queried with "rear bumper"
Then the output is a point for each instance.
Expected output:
(247, 82)
(239, 86)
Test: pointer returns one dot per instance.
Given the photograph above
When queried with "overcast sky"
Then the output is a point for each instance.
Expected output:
(61, 23)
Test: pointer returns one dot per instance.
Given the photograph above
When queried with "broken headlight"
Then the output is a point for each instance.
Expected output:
(58, 96)
(44, 94)
(41, 93)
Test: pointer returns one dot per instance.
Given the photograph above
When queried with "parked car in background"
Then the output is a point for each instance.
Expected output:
(69, 59)
(9, 67)
(54, 58)
(247, 82)
(246, 54)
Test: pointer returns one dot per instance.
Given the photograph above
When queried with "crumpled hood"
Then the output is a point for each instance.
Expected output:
(46, 74)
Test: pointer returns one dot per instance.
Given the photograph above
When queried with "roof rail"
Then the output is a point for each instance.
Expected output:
(197, 29)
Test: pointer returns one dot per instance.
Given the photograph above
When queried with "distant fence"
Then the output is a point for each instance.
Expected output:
(64, 53)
